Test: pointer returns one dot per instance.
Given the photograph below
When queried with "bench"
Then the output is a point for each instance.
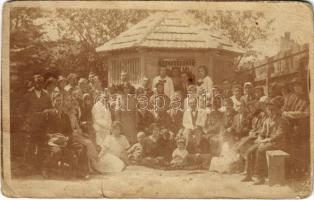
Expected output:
(276, 166)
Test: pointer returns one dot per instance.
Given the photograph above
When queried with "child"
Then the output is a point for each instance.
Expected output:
(166, 144)
(135, 153)
(116, 143)
(180, 154)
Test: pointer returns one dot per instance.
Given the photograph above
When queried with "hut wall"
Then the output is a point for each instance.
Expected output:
(128, 61)
(153, 58)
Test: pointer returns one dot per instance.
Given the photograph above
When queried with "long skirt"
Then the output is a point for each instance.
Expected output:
(109, 163)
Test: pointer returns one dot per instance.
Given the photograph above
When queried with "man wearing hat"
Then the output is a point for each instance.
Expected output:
(33, 107)
(272, 137)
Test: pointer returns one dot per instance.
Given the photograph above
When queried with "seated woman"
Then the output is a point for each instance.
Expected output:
(113, 155)
(210, 142)
(150, 146)
(61, 140)
(79, 136)
(116, 143)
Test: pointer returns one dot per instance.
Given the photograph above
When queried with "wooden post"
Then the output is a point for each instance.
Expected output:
(268, 74)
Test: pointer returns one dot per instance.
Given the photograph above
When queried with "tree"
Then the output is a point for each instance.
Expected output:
(92, 28)
(241, 27)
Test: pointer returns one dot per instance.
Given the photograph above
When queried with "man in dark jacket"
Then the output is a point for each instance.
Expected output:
(59, 141)
(33, 107)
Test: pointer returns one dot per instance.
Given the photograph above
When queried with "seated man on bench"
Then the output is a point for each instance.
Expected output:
(272, 138)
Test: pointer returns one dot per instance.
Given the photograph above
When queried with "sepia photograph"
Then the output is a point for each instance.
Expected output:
(159, 99)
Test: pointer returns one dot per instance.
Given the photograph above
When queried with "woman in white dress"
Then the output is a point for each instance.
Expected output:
(107, 162)
(101, 119)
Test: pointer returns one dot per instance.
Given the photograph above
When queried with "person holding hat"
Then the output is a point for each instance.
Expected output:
(166, 80)
(236, 96)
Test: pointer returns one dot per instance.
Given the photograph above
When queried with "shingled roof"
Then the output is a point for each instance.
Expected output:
(174, 29)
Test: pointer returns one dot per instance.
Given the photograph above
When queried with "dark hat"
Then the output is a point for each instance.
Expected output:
(276, 101)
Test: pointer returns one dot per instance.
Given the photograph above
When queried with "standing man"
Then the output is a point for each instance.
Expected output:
(166, 80)
(33, 108)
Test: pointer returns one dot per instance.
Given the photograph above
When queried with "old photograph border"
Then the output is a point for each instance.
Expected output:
(96, 188)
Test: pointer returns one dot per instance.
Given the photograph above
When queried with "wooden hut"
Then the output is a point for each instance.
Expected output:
(173, 39)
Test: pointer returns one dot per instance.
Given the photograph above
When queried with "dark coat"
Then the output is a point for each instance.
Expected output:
(32, 109)
(58, 123)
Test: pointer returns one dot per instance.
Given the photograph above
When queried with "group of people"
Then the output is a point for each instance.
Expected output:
(176, 122)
